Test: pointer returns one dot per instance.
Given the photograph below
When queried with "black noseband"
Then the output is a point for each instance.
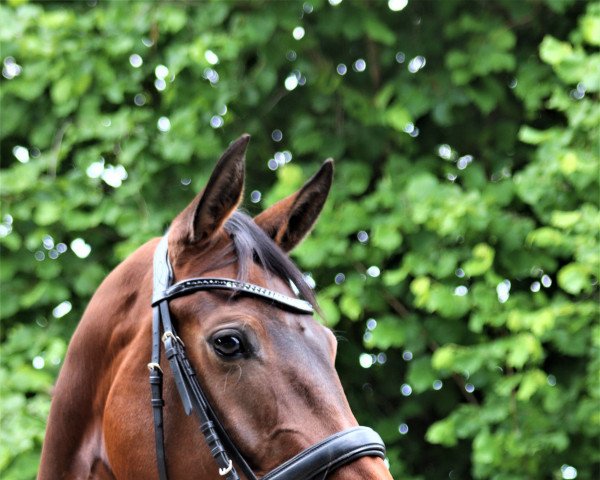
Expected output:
(315, 462)
(330, 454)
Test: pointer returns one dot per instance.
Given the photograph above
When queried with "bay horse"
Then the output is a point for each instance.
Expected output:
(244, 354)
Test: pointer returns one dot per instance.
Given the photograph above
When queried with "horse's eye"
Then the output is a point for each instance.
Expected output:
(229, 345)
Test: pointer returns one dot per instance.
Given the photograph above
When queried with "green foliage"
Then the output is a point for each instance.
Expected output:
(464, 216)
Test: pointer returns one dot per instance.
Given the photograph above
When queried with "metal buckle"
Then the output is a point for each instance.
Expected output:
(174, 337)
(154, 366)
(225, 471)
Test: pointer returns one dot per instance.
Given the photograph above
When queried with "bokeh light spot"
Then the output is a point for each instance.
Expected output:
(503, 290)
(397, 5)
(362, 236)
(136, 60)
(62, 309)
(21, 153)
(291, 82)
(416, 64)
(211, 57)
(365, 360)
(163, 124)
(340, 278)
(255, 196)
(80, 248)
(359, 65)
(139, 99)
(461, 291)
(277, 135)
(38, 362)
(298, 33)
(216, 121)
(568, 472)
(161, 71)
(373, 271)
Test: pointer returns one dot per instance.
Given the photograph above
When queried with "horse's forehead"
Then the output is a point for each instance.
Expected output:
(189, 259)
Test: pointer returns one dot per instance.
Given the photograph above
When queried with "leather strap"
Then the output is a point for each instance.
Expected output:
(162, 278)
(156, 383)
(330, 454)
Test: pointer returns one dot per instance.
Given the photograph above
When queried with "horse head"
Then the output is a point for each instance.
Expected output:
(266, 371)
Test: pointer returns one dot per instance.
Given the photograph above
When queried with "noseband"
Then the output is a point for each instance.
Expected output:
(314, 462)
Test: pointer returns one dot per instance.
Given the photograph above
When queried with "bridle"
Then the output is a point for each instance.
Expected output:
(314, 462)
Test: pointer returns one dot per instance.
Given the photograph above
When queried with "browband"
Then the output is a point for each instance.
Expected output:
(202, 283)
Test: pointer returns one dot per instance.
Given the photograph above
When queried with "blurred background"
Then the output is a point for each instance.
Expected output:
(457, 258)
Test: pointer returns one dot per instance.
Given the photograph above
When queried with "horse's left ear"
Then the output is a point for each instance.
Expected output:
(291, 219)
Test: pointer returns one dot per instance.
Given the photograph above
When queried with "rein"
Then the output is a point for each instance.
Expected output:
(314, 462)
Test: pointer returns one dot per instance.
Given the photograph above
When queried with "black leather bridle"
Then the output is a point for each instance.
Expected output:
(313, 463)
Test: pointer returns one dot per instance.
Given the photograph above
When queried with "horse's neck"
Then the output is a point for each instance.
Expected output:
(117, 314)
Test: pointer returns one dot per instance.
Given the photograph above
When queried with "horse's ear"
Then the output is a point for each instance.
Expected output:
(289, 220)
(219, 199)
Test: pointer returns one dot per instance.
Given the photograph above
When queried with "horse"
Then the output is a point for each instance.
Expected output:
(246, 355)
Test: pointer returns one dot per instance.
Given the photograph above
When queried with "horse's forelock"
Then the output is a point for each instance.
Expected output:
(251, 244)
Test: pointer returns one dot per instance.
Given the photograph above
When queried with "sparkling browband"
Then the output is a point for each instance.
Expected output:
(195, 284)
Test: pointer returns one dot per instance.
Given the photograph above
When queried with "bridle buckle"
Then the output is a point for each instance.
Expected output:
(173, 336)
(225, 471)
(154, 366)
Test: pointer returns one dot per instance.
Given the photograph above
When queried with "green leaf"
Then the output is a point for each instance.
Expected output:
(350, 306)
(378, 31)
(535, 137)
(522, 349)
(420, 287)
(386, 236)
(590, 28)
(553, 51)
(565, 220)
(532, 381)
(574, 278)
(331, 313)
(443, 433)
(481, 261)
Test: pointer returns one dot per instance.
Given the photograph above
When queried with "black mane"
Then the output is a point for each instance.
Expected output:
(252, 244)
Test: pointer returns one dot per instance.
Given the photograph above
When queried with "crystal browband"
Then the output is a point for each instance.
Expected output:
(195, 284)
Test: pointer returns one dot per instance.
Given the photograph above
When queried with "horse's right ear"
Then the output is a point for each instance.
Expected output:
(219, 199)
